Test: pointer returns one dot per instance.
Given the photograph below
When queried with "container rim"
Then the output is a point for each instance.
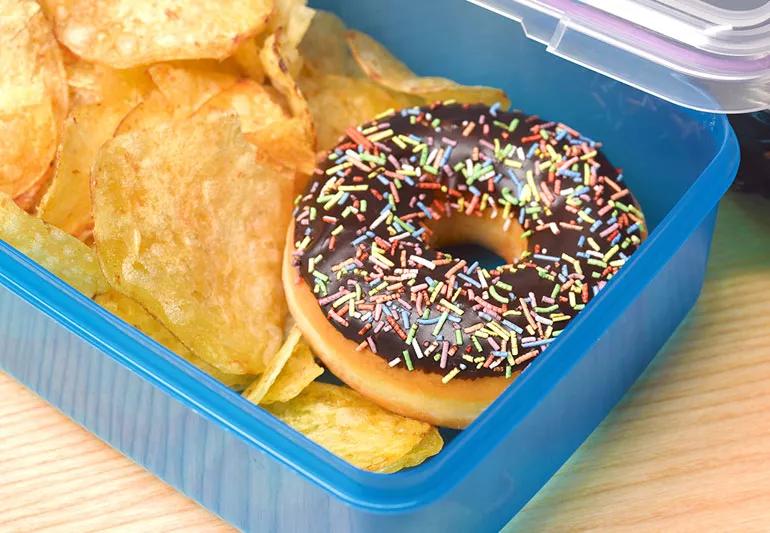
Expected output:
(376, 493)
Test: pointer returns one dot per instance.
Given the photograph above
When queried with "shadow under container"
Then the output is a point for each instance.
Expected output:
(257, 473)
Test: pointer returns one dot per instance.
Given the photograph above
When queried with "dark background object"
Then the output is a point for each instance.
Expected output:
(753, 131)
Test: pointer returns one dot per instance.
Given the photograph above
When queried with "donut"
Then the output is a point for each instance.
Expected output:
(420, 331)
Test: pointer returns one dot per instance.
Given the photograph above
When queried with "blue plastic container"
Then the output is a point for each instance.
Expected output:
(260, 475)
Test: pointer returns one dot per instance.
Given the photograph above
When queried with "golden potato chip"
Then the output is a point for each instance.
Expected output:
(430, 445)
(29, 199)
(62, 254)
(67, 203)
(324, 48)
(338, 103)
(28, 140)
(266, 124)
(187, 85)
(127, 33)
(50, 60)
(300, 370)
(48, 7)
(382, 67)
(246, 56)
(182, 87)
(288, 373)
(281, 79)
(190, 223)
(256, 105)
(287, 143)
(33, 96)
(91, 83)
(292, 18)
(152, 111)
(134, 314)
(356, 429)
(289, 16)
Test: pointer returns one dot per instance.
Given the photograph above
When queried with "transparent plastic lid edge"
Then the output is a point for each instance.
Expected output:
(686, 58)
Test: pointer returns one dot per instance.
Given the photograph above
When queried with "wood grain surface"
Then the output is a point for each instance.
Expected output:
(688, 448)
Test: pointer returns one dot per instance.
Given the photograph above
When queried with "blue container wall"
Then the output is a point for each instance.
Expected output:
(186, 449)
(254, 492)
(239, 462)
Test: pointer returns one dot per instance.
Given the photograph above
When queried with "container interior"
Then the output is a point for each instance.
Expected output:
(662, 148)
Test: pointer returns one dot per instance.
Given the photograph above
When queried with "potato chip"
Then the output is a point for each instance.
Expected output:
(266, 124)
(290, 16)
(61, 254)
(356, 429)
(29, 199)
(28, 139)
(67, 203)
(324, 48)
(91, 83)
(33, 96)
(127, 33)
(338, 103)
(256, 105)
(385, 69)
(154, 110)
(48, 7)
(50, 61)
(281, 79)
(430, 445)
(190, 223)
(288, 373)
(292, 19)
(246, 56)
(300, 370)
(182, 88)
(287, 143)
(134, 314)
(189, 84)
(278, 73)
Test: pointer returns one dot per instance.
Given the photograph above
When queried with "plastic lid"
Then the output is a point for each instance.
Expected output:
(712, 55)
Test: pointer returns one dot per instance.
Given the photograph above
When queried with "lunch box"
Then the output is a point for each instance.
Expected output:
(259, 474)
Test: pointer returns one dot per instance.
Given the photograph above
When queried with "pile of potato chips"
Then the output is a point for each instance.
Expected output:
(149, 154)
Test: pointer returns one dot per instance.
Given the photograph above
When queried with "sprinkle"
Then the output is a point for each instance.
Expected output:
(494, 294)
(440, 324)
(449, 305)
(424, 262)
(408, 360)
(469, 280)
(584, 216)
(381, 135)
(444, 352)
(450, 375)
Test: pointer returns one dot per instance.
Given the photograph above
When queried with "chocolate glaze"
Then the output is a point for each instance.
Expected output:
(580, 195)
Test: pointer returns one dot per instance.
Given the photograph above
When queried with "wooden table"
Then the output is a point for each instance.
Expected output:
(687, 449)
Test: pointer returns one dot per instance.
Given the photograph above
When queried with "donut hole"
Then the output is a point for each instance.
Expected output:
(476, 238)
(475, 253)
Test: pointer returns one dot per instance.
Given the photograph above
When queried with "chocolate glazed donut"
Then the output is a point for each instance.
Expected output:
(422, 332)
